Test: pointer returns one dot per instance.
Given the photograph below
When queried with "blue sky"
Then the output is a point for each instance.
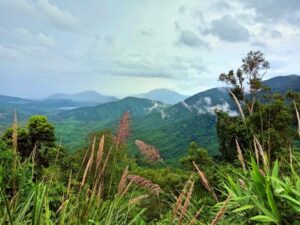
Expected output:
(130, 46)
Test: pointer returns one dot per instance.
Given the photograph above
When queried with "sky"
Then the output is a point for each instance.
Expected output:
(125, 47)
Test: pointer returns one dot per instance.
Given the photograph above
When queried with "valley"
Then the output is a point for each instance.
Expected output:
(169, 127)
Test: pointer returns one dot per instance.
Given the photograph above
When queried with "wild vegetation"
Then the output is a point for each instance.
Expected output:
(254, 180)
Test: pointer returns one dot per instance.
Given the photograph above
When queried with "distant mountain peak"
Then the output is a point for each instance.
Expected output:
(163, 95)
(84, 96)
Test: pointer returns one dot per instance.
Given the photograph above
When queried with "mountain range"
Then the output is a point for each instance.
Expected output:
(170, 127)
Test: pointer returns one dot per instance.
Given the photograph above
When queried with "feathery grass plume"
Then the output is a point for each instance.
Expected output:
(205, 182)
(238, 105)
(242, 183)
(122, 182)
(144, 183)
(61, 207)
(298, 118)
(126, 189)
(105, 162)
(221, 212)
(194, 219)
(137, 200)
(89, 164)
(97, 182)
(123, 131)
(85, 174)
(186, 203)
(261, 152)
(178, 204)
(240, 155)
(100, 152)
(256, 152)
(99, 159)
(149, 151)
(262, 172)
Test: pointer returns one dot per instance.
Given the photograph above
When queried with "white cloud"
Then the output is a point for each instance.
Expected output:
(225, 107)
(60, 18)
(207, 100)
(115, 59)
(229, 29)
(190, 39)
(125, 49)
(18, 7)
(23, 37)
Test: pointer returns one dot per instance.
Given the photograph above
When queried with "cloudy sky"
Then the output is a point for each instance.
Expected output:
(123, 47)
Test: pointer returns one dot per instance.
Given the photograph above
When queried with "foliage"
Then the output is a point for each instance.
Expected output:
(197, 155)
(40, 131)
(252, 70)
(264, 197)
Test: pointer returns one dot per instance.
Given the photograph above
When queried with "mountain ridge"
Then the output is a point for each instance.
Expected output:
(282, 84)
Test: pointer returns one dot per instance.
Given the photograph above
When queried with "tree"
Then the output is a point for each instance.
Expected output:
(253, 69)
(196, 154)
(38, 135)
(230, 129)
(259, 120)
(272, 124)
(24, 145)
(236, 80)
(40, 131)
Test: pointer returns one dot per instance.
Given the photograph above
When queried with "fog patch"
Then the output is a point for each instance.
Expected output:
(207, 100)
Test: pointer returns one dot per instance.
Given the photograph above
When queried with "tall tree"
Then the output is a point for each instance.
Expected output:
(40, 131)
(254, 67)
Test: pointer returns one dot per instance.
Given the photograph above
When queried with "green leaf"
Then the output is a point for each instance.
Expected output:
(245, 207)
(272, 203)
(291, 199)
(264, 219)
(275, 170)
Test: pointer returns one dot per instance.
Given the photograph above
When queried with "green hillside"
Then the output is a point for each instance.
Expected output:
(112, 111)
(170, 128)
(283, 83)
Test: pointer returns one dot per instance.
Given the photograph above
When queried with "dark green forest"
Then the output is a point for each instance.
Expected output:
(223, 168)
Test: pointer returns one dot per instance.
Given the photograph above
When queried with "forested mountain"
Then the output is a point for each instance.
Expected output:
(283, 83)
(190, 120)
(113, 110)
(26, 107)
